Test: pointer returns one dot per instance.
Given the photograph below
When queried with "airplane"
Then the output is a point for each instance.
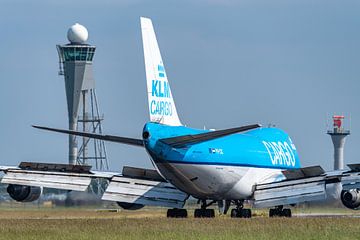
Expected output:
(248, 164)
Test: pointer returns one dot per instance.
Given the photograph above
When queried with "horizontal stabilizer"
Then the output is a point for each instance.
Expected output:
(182, 141)
(144, 192)
(117, 139)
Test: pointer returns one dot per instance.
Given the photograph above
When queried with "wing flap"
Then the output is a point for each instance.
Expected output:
(351, 181)
(291, 194)
(312, 171)
(65, 181)
(141, 186)
(145, 192)
(142, 173)
(298, 190)
(182, 141)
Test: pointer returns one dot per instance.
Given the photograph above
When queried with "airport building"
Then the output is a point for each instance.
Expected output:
(76, 65)
(338, 135)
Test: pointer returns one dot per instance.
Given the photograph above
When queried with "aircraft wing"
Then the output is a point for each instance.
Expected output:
(134, 185)
(304, 185)
(181, 141)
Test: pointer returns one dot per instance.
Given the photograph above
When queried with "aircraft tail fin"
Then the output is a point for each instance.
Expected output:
(161, 103)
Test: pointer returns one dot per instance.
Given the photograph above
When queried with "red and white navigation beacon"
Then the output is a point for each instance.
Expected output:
(338, 135)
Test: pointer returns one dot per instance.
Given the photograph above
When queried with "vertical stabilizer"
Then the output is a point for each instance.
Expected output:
(161, 103)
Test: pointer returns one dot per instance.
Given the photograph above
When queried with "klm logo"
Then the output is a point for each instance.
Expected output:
(160, 89)
(161, 71)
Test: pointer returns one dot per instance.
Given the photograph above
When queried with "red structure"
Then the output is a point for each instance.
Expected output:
(337, 119)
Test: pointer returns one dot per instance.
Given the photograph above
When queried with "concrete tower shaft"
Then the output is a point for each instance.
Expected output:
(338, 135)
(76, 62)
(339, 142)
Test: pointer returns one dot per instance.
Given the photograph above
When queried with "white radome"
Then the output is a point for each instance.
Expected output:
(77, 33)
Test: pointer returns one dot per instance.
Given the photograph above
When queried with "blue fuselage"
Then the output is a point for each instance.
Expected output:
(222, 161)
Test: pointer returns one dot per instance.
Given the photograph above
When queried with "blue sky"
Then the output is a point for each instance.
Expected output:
(229, 63)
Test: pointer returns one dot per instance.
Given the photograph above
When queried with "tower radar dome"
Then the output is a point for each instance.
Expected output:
(77, 33)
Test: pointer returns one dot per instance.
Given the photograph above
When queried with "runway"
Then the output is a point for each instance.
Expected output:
(325, 215)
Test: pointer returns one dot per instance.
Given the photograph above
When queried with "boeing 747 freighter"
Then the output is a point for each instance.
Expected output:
(251, 164)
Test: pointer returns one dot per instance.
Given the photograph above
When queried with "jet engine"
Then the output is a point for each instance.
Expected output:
(351, 198)
(130, 206)
(23, 193)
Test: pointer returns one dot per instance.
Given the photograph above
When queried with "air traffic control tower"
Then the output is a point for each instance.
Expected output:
(338, 135)
(76, 65)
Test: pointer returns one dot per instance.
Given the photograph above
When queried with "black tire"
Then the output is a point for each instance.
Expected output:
(170, 213)
(234, 213)
(204, 213)
(241, 213)
(210, 213)
(198, 213)
(286, 212)
(272, 213)
(246, 213)
(182, 213)
(176, 213)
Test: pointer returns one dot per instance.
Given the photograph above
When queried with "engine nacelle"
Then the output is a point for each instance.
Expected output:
(130, 206)
(23, 193)
(351, 198)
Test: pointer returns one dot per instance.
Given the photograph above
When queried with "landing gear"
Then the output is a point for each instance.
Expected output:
(176, 213)
(224, 206)
(240, 211)
(280, 212)
(203, 212)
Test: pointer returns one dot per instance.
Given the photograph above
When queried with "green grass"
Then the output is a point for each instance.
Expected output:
(151, 224)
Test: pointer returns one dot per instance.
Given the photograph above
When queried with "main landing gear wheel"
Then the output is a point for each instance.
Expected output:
(203, 212)
(280, 212)
(177, 213)
(240, 211)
